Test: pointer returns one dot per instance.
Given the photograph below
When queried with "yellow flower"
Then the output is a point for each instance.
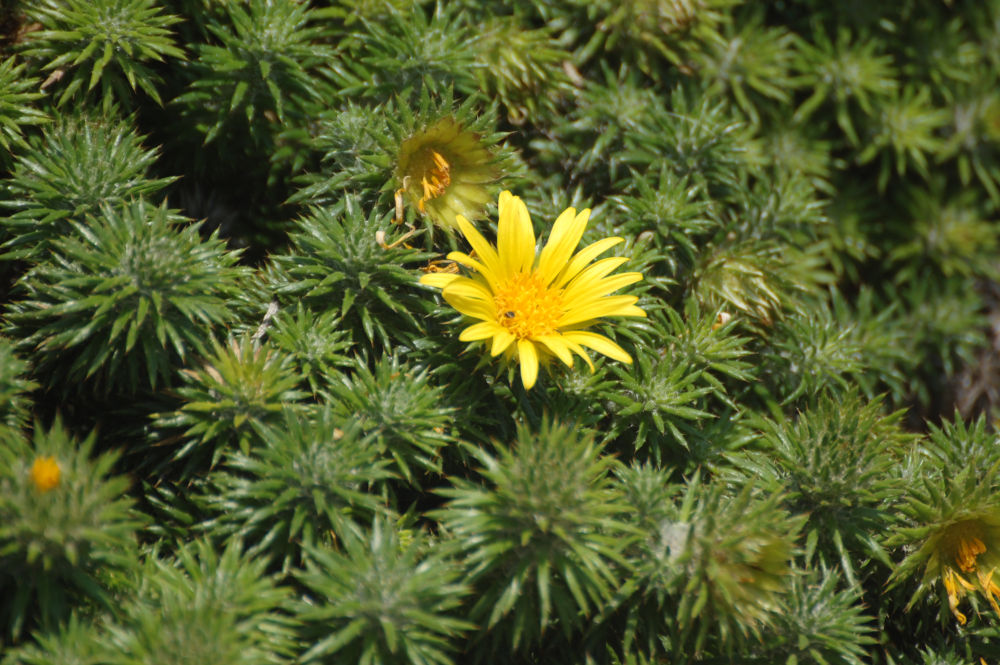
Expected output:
(961, 553)
(444, 169)
(536, 306)
(45, 473)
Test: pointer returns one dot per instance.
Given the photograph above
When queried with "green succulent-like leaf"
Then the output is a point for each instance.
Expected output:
(835, 464)
(239, 386)
(388, 596)
(753, 64)
(543, 541)
(216, 605)
(308, 484)
(823, 623)
(80, 164)
(261, 67)
(17, 109)
(730, 559)
(355, 265)
(407, 52)
(14, 389)
(401, 411)
(113, 43)
(122, 299)
(315, 341)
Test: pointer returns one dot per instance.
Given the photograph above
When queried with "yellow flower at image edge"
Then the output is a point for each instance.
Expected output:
(963, 544)
(45, 473)
(535, 307)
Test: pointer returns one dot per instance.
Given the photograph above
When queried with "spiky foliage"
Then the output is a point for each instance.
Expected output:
(521, 67)
(644, 29)
(809, 190)
(907, 133)
(823, 623)
(354, 264)
(206, 605)
(67, 530)
(656, 396)
(113, 43)
(407, 51)
(661, 399)
(74, 643)
(973, 132)
(712, 570)
(675, 213)
(847, 73)
(754, 65)
(952, 234)
(308, 484)
(14, 387)
(81, 164)
(388, 597)
(402, 412)
(834, 462)
(237, 386)
(345, 139)
(122, 299)
(693, 135)
(834, 347)
(262, 69)
(17, 92)
(951, 520)
(542, 540)
(315, 342)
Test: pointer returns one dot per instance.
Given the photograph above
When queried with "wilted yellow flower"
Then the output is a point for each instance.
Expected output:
(966, 563)
(444, 170)
(45, 473)
(533, 306)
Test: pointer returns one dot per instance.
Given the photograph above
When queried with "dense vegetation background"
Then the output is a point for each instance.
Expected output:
(235, 429)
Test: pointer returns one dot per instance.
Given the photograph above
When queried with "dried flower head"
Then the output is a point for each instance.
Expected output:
(443, 169)
(534, 306)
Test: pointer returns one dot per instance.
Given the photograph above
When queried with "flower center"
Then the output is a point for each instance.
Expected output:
(526, 307)
(45, 473)
(435, 179)
(968, 547)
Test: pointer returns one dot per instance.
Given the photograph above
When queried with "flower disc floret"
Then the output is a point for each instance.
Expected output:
(533, 306)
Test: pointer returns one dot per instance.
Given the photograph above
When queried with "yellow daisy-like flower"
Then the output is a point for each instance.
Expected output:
(534, 306)
(444, 169)
(45, 473)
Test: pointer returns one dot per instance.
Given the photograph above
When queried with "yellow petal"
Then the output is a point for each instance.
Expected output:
(529, 362)
(563, 239)
(480, 331)
(438, 279)
(583, 257)
(606, 306)
(487, 255)
(467, 288)
(464, 259)
(592, 290)
(592, 274)
(579, 350)
(501, 341)
(475, 308)
(599, 343)
(515, 237)
(557, 345)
